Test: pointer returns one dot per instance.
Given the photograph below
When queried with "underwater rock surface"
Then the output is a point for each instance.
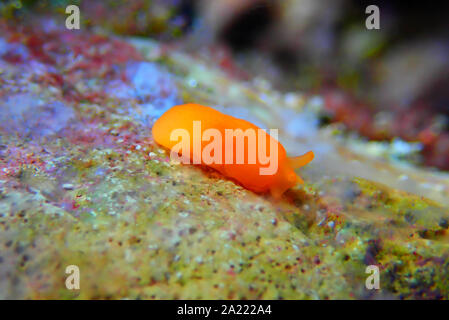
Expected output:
(83, 183)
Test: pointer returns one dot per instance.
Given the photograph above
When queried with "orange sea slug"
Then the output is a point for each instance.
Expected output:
(208, 130)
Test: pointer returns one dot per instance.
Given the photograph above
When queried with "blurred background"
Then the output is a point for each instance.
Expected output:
(381, 84)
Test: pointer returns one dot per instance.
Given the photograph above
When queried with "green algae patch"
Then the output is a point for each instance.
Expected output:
(413, 269)
(404, 208)
(397, 200)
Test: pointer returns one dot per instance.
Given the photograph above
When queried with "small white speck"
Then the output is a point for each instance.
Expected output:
(67, 186)
(192, 82)
(199, 259)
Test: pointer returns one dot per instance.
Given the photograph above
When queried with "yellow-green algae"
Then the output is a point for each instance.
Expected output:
(187, 233)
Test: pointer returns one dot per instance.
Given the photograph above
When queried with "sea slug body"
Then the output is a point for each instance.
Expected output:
(212, 128)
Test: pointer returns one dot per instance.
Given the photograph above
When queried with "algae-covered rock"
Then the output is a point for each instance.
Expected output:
(83, 183)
